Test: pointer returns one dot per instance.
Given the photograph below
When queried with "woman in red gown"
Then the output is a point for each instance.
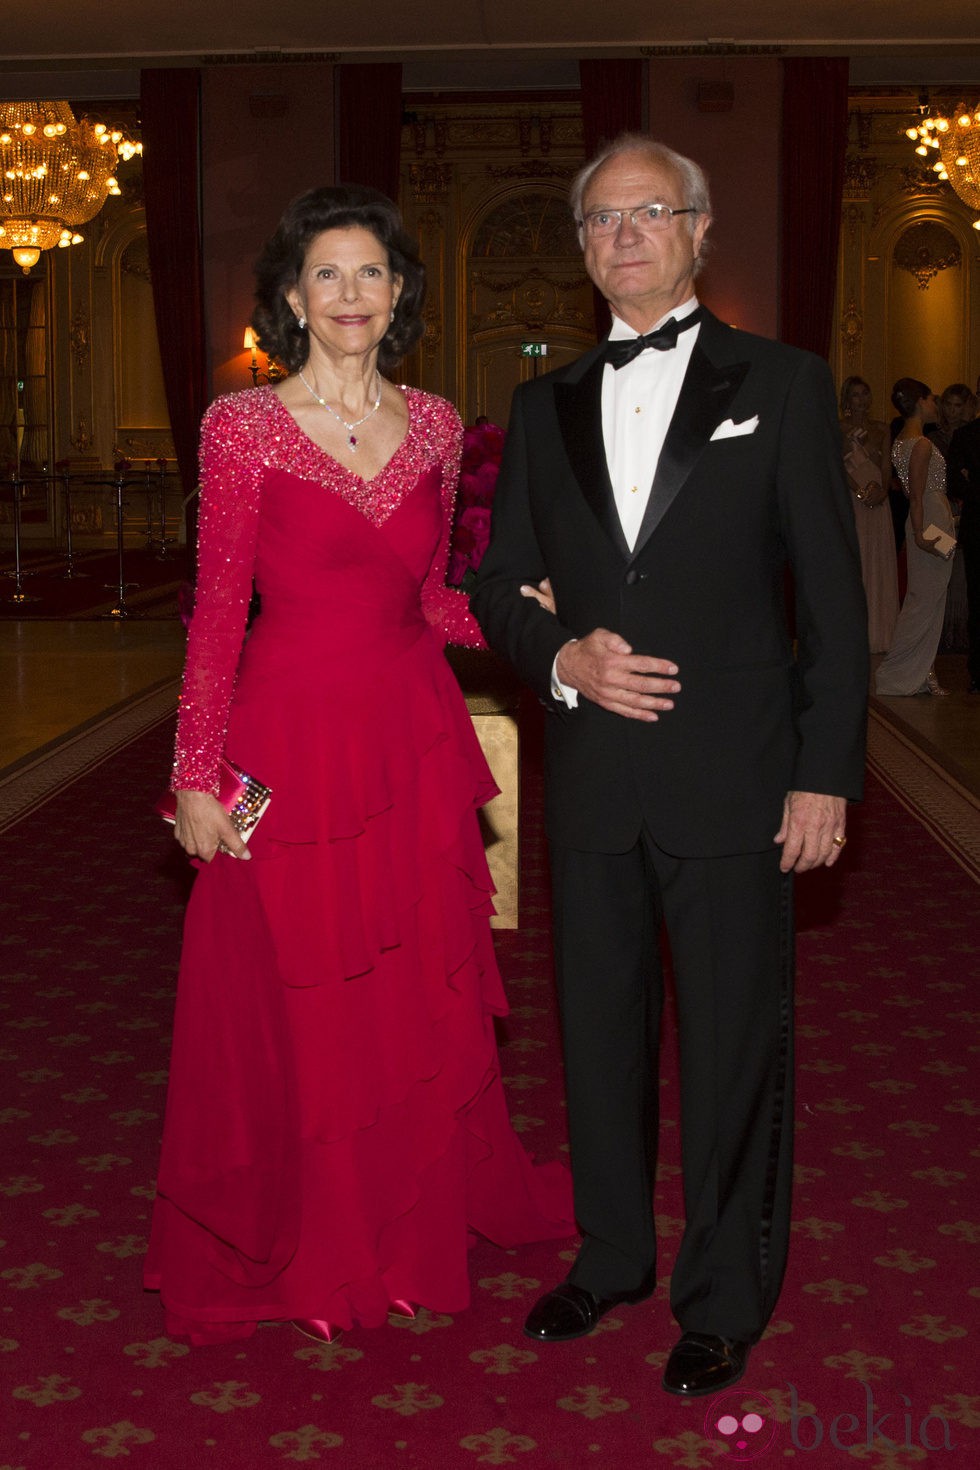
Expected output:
(336, 1126)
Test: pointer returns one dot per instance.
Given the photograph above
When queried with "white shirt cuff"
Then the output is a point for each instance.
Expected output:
(564, 693)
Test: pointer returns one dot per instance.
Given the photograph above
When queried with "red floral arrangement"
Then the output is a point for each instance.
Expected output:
(483, 446)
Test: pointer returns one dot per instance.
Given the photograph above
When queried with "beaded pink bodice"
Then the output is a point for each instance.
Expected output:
(243, 436)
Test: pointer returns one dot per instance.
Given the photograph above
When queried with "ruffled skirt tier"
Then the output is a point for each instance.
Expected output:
(336, 1128)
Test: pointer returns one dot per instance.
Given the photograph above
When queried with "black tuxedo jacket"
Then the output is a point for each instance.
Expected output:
(758, 714)
(964, 454)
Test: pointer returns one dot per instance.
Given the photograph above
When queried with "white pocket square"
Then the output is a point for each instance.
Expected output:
(730, 430)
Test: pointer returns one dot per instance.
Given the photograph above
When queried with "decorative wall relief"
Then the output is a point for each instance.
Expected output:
(81, 440)
(860, 175)
(532, 300)
(851, 328)
(432, 337)
(80, 337)
(561, 173)
(918, 178)
(535, 224)
(146, 447)
(925, 249)
(430, 182)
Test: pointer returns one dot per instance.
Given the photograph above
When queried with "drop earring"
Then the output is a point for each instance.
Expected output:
(301, 323)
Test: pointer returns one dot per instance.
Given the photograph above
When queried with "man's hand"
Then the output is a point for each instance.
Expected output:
(604, 668)
(812, 832)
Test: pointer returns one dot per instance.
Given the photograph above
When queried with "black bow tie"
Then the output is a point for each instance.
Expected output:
(623, 350)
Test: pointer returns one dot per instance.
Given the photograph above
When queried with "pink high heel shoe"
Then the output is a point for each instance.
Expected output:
(320, 1331)
(399, 1308)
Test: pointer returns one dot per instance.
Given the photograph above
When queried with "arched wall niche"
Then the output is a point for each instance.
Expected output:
(479, 164)
(908, 300)
(924, 249)
(137, 414)
(522, 281)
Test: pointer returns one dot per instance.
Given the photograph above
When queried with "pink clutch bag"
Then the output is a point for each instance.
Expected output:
(242, 796)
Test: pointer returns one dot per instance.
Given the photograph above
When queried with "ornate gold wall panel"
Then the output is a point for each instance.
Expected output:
(908, 291)
(484, 186)
(95, 381)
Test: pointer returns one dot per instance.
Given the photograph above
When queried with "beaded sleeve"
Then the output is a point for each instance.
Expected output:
(231, 469)
(446, 608)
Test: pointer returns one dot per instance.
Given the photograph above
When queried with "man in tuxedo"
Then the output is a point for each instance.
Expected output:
(963, 481)
(695, 758)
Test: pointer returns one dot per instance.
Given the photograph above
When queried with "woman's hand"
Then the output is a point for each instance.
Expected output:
(928, 545)
(542, 594)
(874, 494)
(203, 827)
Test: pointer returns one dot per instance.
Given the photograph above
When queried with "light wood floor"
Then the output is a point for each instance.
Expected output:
(947, 729)
(55, 676)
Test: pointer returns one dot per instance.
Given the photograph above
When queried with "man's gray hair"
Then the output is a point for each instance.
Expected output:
(695, 185)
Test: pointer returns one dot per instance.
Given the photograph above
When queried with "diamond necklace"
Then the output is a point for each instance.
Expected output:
(351, 436)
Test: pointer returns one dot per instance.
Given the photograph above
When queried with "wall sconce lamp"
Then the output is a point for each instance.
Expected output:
(274, 373)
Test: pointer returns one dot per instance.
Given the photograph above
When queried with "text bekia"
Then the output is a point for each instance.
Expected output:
(851, 1431)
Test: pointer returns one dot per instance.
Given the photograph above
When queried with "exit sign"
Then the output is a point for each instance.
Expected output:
(534, 349)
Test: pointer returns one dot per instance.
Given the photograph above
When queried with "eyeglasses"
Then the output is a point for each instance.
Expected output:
(645, 217)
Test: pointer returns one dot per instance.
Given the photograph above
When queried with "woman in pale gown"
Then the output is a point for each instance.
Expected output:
(907, 669)
(865, 458)
(336, 1128)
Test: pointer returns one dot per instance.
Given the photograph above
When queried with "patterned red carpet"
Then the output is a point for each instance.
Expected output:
(872, 1358)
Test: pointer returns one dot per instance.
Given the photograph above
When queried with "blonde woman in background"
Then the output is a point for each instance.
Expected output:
(907, 669)
(865, 443)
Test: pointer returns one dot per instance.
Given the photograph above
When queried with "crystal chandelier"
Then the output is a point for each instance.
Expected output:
(56, 174)
(955, 136)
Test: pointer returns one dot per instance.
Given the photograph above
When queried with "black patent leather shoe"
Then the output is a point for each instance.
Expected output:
(570, 1311)
(702, 1363)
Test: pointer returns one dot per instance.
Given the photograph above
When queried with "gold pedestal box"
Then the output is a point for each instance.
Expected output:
(492, 698)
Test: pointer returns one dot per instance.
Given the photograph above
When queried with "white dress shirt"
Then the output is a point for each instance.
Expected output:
(638, 403)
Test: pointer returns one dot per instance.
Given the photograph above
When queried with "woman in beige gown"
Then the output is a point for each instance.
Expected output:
(907, 669)
(865, 458)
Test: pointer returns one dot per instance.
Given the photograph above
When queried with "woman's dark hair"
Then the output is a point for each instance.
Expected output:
(906, 394)
(334, 207)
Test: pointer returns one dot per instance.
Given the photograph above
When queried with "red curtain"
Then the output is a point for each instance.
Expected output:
(612, 103)
(612, 100)
(814, 147)
(369, 125)
(170, 107)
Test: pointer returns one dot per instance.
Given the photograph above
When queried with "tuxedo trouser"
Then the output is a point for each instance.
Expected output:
(729, 921)
(970, 541)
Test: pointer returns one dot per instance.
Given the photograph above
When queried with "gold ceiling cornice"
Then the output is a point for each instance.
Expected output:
(714, 48)
(269, 58)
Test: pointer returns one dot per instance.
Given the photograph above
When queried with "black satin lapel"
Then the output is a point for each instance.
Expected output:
(579, 409)
(704, 400)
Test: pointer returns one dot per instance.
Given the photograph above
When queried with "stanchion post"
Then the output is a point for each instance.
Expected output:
(62, 477)
(18, 595)
(120, 610)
